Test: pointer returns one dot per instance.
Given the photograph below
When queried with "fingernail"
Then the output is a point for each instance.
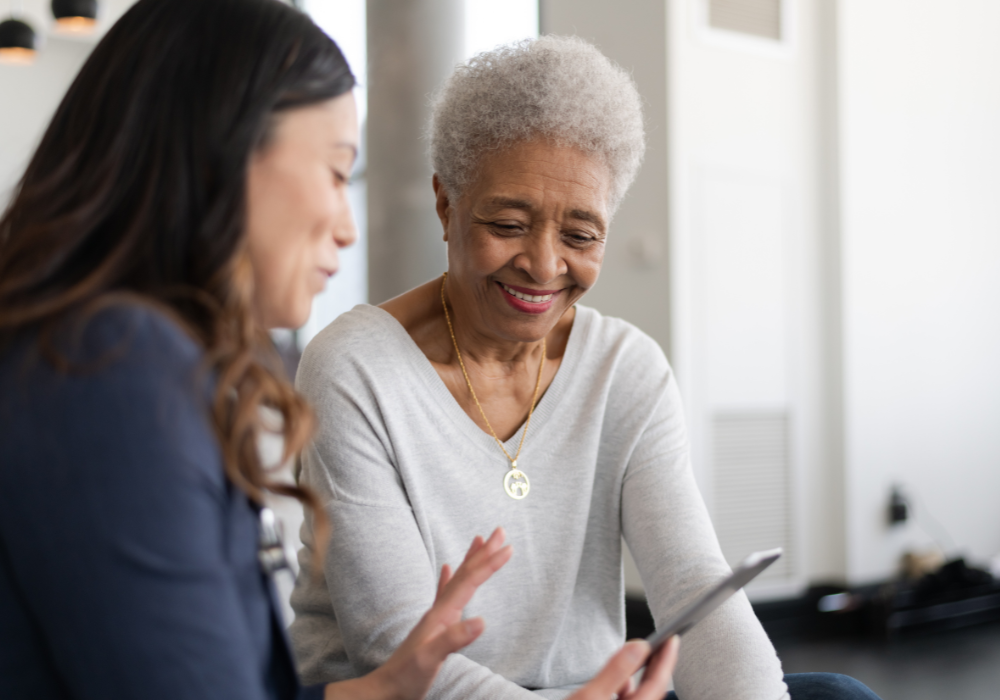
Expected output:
(474, 625)
(636, 651)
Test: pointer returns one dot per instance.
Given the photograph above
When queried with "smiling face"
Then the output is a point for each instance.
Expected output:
(526, 239)
(298, 215)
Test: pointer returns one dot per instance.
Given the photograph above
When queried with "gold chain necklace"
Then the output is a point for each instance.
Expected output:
(515, 483)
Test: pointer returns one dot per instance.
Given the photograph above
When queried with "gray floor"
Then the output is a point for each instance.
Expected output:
(956, 665)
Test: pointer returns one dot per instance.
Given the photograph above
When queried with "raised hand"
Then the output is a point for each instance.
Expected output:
(410, 671)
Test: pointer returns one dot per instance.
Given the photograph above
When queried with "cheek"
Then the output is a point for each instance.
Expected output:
(486, 253)
(586, 266)
(281, 248)
(291, 282)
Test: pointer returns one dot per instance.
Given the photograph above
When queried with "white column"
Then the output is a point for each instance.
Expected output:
(413, 45)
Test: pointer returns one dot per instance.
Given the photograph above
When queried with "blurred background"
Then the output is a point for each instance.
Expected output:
(814, 240)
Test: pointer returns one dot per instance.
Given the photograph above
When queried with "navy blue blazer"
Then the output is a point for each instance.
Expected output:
(128, 562)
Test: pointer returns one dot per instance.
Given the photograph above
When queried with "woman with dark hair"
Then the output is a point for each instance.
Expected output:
(189, 194)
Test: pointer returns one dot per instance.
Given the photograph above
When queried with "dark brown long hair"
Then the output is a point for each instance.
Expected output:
(138, 191)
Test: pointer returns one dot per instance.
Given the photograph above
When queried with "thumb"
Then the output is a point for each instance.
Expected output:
(616, 672)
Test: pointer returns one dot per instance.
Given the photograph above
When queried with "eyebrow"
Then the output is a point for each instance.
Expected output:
(588, 216)
(578, 214)
(510, 203)
(346, 144)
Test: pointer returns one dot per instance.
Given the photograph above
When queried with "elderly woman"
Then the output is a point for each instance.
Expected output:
(490, 396)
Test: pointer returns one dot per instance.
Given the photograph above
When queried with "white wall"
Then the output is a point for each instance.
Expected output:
(33, 92)
(749, 282)
(920, 128)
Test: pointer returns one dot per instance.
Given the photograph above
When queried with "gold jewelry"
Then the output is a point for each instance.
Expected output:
(515, 482)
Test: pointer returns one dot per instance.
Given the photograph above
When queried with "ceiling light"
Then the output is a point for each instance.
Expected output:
(17, 42)
(75, 16)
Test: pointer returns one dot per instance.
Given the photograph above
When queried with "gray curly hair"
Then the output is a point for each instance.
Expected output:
(559, 88)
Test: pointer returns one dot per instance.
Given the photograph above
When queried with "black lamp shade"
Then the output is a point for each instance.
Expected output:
(74, 9)
(17, 42)
(16, 35)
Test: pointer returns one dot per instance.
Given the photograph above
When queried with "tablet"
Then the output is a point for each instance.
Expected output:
(715, 596)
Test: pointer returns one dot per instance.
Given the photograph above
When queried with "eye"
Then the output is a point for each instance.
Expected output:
(507, 229)
(339, 177)
(579, 239)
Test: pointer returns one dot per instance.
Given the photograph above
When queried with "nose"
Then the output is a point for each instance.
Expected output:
(345, 232)
(542, 258)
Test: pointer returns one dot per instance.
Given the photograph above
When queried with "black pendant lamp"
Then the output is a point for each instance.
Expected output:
(17, 42)
(76, 16)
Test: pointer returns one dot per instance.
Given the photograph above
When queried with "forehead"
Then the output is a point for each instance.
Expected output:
(329, 124)
(542, 175)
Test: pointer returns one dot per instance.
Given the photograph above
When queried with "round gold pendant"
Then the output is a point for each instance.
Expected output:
(516, 484)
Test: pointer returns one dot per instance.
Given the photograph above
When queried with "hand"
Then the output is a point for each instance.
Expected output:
(616, 677)
(410, 671)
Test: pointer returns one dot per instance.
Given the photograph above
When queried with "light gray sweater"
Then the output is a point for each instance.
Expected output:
(408, 479)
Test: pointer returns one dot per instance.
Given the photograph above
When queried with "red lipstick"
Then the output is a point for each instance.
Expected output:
(528, 307)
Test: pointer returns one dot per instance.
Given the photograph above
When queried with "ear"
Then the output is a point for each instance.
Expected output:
(443, 204)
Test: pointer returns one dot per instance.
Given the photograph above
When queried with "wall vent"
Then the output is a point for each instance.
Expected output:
(752, 488)
(761, 18)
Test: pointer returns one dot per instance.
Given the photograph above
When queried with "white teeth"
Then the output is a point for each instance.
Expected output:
(526, 297)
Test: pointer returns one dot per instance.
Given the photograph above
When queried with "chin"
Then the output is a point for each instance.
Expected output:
(534, 329)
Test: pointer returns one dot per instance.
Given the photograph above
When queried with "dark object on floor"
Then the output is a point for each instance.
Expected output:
(954, 578)
(823, 612)
(793, 618)
(956, 595)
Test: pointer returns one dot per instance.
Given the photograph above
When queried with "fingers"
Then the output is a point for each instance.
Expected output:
(477, 543)
(616, 673)
(475, 570)
(411, 669)
(474, 559)
(454, 591)
(442, 631)
(443, 581)
(626, 689)
(657, 676)
(471, 575)
(455, 637)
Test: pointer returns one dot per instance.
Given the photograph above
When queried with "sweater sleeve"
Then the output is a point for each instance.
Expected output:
(377, 569)
(117, 532)
(668, 530)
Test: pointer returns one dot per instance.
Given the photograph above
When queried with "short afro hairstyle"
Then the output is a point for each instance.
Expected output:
(559, 88)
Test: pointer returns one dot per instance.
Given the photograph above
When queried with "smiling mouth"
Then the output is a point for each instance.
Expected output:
(531, 299)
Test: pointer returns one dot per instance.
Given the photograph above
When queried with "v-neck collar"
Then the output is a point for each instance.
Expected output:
(546, 405)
